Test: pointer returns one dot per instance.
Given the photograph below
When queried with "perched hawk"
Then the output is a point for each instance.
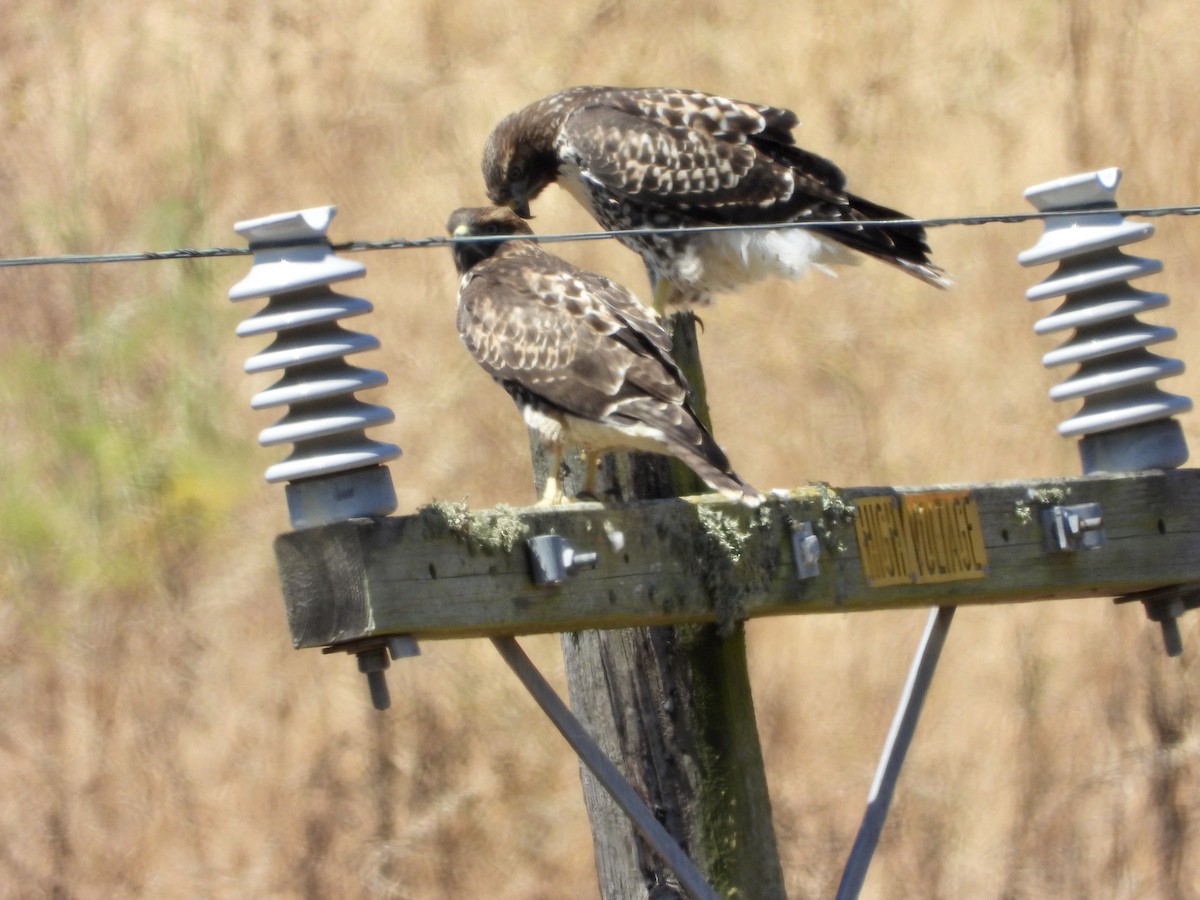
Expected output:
(588, 365)
(666, 158)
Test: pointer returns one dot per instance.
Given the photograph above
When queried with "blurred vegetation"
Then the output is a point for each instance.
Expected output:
(162, 738)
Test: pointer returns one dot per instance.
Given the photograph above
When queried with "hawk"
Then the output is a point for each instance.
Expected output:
(587, 364)
(673, 158)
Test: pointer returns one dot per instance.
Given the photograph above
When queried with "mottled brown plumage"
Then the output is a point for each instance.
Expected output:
(665, 157)
(587, 364)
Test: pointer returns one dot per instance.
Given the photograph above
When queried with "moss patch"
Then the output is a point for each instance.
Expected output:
(496, 530)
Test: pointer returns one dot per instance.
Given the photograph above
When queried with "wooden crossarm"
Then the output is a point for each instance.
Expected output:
(448, 572)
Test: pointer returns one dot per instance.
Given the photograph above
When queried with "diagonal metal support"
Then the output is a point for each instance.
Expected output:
(900, 736)
(691, 879)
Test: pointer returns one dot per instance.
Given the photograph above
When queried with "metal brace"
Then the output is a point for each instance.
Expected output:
(552, 559)
(1070, 528)
(806, 550)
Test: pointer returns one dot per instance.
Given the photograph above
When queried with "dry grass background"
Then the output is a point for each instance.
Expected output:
(160, 736)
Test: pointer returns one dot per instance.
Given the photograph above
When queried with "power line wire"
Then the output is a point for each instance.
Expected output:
(68, 259)
(439, 241)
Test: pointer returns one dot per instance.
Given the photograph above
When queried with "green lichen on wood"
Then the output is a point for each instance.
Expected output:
(727, 810)
(724, 532)
(496, 530)
(836, 513)
(451, 515)
(1039, 498)
(738, 551)
(719, 545)
(1049, 496)
(830, 515)
(499, 528)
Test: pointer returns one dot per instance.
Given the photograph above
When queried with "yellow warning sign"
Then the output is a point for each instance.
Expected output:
(921, 538)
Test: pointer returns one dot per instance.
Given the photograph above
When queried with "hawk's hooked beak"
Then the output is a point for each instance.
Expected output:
(520, 206)
(518, 198)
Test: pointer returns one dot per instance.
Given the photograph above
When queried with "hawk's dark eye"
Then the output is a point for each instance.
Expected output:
(516, 170)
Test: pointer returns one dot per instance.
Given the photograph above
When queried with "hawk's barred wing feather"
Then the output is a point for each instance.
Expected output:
(703, 112)
(728, 161)
(711, 179)
(550, 332)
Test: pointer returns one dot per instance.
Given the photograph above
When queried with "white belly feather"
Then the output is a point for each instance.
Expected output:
(726, 260)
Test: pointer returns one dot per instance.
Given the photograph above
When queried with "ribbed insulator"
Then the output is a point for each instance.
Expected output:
(1125, 423)
(335, 471)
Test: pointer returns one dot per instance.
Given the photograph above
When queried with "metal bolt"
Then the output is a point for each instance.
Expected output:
(374, 658)
(1165, 606)
(1167, 616)
(552, 559)
(806, 551)
(1069, 528)
(373, 663)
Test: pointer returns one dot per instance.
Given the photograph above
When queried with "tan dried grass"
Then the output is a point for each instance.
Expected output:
(160, 736)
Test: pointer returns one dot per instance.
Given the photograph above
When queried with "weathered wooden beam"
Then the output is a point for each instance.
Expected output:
(449, 572)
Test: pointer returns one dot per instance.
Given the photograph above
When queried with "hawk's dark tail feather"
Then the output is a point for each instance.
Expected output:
(681, 434)
(903, 246)
(709, 461)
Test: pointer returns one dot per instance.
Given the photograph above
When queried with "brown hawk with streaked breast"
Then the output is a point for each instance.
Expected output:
(672, 158)
(587, 364)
